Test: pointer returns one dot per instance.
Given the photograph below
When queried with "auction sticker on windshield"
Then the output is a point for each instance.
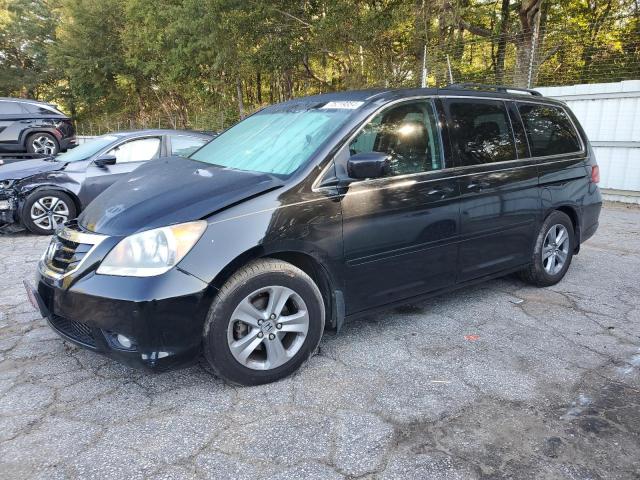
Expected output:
(342, 105)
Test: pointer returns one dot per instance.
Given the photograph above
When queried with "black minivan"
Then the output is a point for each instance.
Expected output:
(314, 211)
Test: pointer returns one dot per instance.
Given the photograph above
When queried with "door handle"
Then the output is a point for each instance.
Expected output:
(440, 191)
(478, 185)
(26, 121)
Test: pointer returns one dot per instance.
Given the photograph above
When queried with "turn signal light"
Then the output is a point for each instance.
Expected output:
(595, 174)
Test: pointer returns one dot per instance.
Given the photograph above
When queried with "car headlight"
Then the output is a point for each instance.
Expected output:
(152, 252)
(4, 184)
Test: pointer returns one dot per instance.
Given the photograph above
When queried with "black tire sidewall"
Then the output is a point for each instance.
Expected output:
(31, 137)
(33, 197)
(216, 346)
(555, 218)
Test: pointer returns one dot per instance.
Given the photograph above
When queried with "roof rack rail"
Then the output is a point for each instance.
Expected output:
(497, 88)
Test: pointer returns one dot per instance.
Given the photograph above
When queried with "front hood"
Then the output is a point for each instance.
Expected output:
(26, 168)
(168, 191)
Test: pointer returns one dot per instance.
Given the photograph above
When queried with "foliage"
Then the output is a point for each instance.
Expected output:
(26, 31)
(204, 63)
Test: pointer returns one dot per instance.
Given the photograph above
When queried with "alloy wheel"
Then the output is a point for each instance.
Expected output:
(268, 327)
(43, 145)
(555, 249)
(49, 212)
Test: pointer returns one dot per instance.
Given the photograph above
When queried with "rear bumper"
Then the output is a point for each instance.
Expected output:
(591, 214)
(67, 143)
(589, 232)
(166, 332)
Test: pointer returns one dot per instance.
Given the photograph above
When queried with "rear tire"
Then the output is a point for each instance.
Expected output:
(266, 321)
(42, 143)
(45, 210)
(552, 253)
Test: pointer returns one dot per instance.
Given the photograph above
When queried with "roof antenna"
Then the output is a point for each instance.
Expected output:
(450, 73)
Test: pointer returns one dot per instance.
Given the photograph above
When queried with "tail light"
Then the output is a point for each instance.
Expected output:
(595, 174)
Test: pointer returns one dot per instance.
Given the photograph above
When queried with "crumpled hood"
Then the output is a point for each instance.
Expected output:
(168, 191)
(26, 168)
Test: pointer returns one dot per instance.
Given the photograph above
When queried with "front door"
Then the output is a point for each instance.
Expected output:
(129, 156)
(500, 201)
(399, 231)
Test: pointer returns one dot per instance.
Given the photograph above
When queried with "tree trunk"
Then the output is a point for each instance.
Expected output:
(240, 101)
(259, 87)
(502, 42)
(420, 37)
(528, 13)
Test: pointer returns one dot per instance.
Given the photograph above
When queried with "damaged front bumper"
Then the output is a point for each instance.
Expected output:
(8, 208)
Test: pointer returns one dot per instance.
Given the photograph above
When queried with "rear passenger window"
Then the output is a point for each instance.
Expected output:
(549, 129)
(481, 131)
(408, 133)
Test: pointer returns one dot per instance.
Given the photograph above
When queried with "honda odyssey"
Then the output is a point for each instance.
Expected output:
(318, 210)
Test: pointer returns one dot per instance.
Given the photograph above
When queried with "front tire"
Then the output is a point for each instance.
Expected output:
(553, 251)
(265, 322)
(46, 210)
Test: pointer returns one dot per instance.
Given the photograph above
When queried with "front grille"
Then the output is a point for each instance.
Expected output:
(68, 248)
(75, 330)
(66, 254)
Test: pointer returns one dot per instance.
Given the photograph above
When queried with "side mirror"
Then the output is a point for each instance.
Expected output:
(104, 160)
(368, 165)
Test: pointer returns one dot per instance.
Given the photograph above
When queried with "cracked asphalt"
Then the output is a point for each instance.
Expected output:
(497, 381)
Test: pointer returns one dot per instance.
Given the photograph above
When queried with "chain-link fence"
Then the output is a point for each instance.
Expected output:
(591, 53)
(206, 121)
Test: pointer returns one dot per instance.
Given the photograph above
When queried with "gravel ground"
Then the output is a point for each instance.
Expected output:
(498, 381)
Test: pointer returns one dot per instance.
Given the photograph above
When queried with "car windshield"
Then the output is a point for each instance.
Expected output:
(86, 150)
(277, 140)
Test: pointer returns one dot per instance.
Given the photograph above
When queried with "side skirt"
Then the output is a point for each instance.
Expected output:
(434, 293)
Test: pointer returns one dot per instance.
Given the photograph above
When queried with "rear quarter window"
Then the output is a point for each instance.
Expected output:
(549, 130)
(41, 109)
(184, 145)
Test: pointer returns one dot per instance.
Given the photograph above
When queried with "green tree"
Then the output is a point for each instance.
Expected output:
(27, 27)
(90, 54)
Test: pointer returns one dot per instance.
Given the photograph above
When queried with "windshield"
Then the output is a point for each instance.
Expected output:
(86, 150)
(277, 140)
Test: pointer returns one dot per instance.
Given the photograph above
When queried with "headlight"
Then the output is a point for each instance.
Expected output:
(153, 252)
(4, 184)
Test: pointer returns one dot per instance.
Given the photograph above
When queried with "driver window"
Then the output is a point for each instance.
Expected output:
(408, 133)
(139, 150)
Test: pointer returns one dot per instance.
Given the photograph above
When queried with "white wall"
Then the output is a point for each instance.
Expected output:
(610, 114)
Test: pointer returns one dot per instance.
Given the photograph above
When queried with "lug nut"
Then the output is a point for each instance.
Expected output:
(279, 326)
(260, 322)
(260, 334)
(271, 336)
(273, 316)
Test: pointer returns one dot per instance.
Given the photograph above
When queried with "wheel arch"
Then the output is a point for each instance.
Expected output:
(572, 212)
(25, 193)
(29, 132)
(306, 262)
